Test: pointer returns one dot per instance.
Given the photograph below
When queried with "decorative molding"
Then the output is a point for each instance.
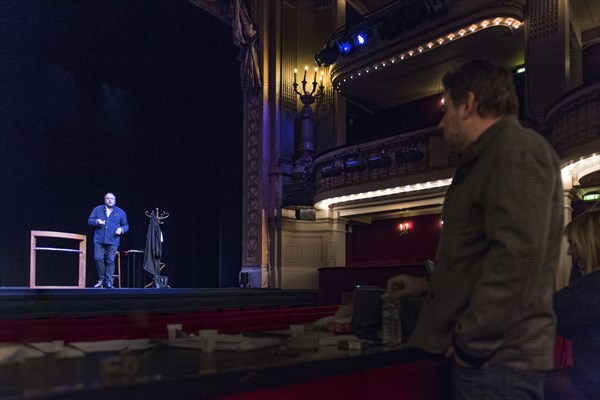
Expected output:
(426, 141)
(253, 178)
(543, 18)
(289, 54)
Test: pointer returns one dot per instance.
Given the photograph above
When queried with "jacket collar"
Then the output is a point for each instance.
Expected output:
(475, 149)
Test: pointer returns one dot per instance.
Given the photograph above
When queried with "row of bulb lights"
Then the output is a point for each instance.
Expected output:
(486, 23)
(326, 204)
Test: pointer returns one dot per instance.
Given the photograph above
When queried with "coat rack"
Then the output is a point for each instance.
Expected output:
(153, 251)
(160, 216)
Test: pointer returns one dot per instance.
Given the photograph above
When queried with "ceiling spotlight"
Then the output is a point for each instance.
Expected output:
(355, 163)
(333, 169)
(327, 56)
(379, 161)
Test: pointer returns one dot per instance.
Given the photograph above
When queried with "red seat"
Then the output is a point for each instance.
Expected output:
(563, 352)
(92, 328)
(303, 318)
(11, 330)
(269, 322)
(225, 324)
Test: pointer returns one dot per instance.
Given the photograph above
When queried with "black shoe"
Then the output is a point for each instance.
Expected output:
(109, 285)
(99, 284)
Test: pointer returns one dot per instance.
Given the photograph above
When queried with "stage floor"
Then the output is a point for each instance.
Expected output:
(24, 302)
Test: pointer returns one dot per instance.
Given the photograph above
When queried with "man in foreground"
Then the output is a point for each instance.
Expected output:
(488, 303)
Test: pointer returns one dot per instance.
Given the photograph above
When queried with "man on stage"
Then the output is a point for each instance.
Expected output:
(110, 223)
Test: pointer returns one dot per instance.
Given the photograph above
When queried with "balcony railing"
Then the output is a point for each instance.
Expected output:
(403, 155)
(573, 122)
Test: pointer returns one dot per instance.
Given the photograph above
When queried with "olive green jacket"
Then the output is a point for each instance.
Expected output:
(491, 290)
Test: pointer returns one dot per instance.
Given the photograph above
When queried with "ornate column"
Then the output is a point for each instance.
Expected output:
(565, 262)
(546, 55)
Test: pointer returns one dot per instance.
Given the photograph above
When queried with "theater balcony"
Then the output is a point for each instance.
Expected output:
(386, 69)
(395, 163)
(573, 123)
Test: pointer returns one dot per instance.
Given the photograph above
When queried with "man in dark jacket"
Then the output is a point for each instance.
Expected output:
(110, 222)
(488, 303)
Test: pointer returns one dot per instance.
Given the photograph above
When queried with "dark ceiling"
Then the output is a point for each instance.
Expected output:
(131, 44)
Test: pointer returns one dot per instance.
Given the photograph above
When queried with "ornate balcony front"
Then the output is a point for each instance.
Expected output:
(388, 168)
(573, 123)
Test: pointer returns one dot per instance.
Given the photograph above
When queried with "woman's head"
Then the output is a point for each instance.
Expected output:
(583, 235)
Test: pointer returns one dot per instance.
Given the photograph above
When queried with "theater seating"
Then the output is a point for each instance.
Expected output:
(153, 325)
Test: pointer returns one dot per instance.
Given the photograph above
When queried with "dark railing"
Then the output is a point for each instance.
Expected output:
(573, 120)
(401, 155)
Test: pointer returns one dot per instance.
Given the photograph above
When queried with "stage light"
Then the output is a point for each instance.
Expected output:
(345, 47)
(330, 170)
(404, 157)
(350, 42)
(355, 163)
(379, 161)
(327, 56)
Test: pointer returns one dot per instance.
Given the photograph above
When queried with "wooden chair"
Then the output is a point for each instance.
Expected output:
(118, 269)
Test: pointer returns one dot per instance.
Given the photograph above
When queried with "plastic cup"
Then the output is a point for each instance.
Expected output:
(297, 330)
(208, 340)
(173, 329)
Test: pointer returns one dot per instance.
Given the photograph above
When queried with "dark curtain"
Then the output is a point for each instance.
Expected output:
(238, 13)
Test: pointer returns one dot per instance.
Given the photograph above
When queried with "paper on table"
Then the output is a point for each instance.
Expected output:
(50, 348)
(333, 340)
(15, 352)
(100, 346)
(227, 342)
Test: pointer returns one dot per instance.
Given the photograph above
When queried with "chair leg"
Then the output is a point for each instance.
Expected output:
(118, 274)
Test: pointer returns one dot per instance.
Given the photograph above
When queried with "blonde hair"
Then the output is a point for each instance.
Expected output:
(584, 233)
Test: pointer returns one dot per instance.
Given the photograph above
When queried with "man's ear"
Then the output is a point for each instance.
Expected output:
(470, 104)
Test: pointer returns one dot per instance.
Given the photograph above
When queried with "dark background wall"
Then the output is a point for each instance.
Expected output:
(380, 243)
(140, 98)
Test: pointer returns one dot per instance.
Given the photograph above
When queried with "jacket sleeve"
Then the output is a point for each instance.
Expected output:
(518, 203)
(93, 217)
(123, 223)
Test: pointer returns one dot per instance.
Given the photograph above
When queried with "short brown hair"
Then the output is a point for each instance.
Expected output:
(492, 85)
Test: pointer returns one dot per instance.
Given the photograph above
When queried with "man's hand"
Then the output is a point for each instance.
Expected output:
(406, 286)
(100, 221)
(119, 230)
(451, 353)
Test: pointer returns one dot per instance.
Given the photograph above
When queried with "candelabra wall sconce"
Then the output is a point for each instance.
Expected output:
(301, 188)
(404, 228)
(308, 93)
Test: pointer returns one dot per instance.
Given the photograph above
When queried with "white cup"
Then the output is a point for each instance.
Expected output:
(297, 330)
(208, 340)
(172, 330)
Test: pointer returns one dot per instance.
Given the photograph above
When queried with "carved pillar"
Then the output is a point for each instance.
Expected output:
(286, 37)
(546, 55)
(253, 181)
(565, 262)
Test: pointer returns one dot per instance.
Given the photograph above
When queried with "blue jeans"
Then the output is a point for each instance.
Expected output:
(497, 383)
(104, 255)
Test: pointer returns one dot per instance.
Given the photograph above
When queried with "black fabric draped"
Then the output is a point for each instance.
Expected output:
(153, 247)
(238, 13)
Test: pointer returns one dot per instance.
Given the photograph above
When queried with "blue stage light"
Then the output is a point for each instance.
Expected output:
(345, 47)
(360, 39)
